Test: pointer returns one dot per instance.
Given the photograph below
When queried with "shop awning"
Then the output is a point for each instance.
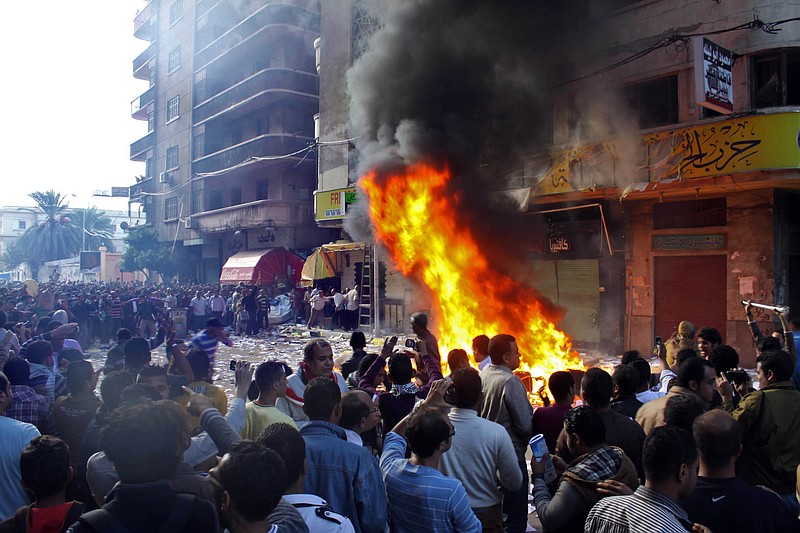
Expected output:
(262, 267)
(319, 265)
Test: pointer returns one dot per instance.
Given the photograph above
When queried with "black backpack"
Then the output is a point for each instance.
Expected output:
(101, 521)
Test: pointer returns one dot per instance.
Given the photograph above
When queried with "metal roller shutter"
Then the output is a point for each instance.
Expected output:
(692, 288)
(574, 285)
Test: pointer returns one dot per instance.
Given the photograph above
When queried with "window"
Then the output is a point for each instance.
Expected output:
(149, 167)
(197, 201)
(656, 102)
(262, 190)
(199, 86)
(174, 61)
(151, 121)
(199, 145)
(262, 126)
(214, 200)
(153, 74)
(172, 158)
(174, 108)
(175, 12)
(776, 79)
(171, 208)
(236, 195)
(21, 224)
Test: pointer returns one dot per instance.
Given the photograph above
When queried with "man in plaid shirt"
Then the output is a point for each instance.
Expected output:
(28, 406)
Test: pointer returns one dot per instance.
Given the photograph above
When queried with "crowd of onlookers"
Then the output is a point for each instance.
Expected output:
(386, 441)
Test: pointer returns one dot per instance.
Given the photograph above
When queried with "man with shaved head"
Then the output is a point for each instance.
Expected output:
(722, 501)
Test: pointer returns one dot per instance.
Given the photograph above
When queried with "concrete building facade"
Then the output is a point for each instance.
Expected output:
(229, 154)
(652, 201)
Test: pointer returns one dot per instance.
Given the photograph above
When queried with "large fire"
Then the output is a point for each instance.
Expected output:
(416, 218)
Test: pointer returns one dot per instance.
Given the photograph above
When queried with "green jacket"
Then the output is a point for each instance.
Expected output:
(770, 420)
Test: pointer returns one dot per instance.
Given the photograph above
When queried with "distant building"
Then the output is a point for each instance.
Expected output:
(229, 156)
(14, 221)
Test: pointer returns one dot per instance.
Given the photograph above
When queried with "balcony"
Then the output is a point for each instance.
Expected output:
(135, 192)
(264, 145)
(139, 148)
(259, 23)
(141, 65)
(139, 105)
(249, 215)
(256, 91)
(143, 24)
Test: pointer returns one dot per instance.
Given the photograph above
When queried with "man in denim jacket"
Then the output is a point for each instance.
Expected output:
(344, 474)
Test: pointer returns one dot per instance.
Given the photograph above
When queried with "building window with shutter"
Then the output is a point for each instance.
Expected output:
(262, 190)
(172, 158)
(174, 60)
(171, 208)
(173, 109)
(175, 12)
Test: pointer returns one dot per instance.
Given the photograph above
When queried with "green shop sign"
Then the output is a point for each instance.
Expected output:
(690, 242)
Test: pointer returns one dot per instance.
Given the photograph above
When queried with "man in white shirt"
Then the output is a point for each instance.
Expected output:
(480, 468)
(198, 307)
(351, 308)
(480, 351)
(217, 305)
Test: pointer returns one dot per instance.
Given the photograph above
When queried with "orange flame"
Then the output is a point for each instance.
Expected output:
(416, 218)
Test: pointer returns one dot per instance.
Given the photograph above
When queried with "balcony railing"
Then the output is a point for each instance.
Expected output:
(140, 147)
(267, 81)
(249, 215)
(139, 64)
(258, 22)
(135, 192)
(264, 145)
(143, 23)
(139, 105)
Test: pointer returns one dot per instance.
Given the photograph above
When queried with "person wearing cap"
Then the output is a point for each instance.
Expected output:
(683, 338)
(419, 325)
(208, 339)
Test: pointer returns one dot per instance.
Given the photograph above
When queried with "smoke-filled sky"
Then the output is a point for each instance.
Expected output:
(66, 93)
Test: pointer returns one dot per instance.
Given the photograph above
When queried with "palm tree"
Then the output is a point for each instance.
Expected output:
(97, 227)
(57, 237)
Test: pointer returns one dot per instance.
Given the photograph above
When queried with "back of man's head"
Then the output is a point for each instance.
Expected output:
(199, 362)
(560, 383)
(254, 477)
(684, 355)
(425, 430)
(693, 369)
(626, 379)
(137, 353)
(643, 370)
(719, 438)
(322, 396)
(38, 351)
(587, 424)
(499, 346)
(629, 356)
(681, 411)
(365, 363)
(597, 388)
(287, 442)
(358, 341)
(420, 320)
(400, 368)
(267, 374)
(723, 358)
(79, 376)
(457, 358)
(124, 334)
(112, 386)
(467, 385)
(144, 441)
(480, 344)
(666, 448)
(778, 362)
(44, 466)
(17, 370)
(71, 355)
(139, 393)
(353, 409)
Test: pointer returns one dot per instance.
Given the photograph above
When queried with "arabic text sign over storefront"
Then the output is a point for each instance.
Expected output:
(713, 75)
(333, 204)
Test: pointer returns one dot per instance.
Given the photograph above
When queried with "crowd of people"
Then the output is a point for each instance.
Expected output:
(385, 442)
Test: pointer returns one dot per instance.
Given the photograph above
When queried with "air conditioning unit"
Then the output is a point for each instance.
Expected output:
(190, 223)
(163, 177)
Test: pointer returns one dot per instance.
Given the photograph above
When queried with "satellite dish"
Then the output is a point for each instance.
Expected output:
(123, 226)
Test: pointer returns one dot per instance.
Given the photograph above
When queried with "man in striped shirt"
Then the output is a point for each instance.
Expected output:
(670, 466)
(420, 497)
(208, 339)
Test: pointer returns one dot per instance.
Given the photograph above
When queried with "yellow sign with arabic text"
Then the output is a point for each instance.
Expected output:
(748, 144)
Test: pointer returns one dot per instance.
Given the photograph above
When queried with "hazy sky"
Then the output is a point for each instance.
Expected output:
(66, 93)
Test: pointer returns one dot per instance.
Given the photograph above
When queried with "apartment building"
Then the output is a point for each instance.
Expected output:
(229, 153)
(665, 186)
